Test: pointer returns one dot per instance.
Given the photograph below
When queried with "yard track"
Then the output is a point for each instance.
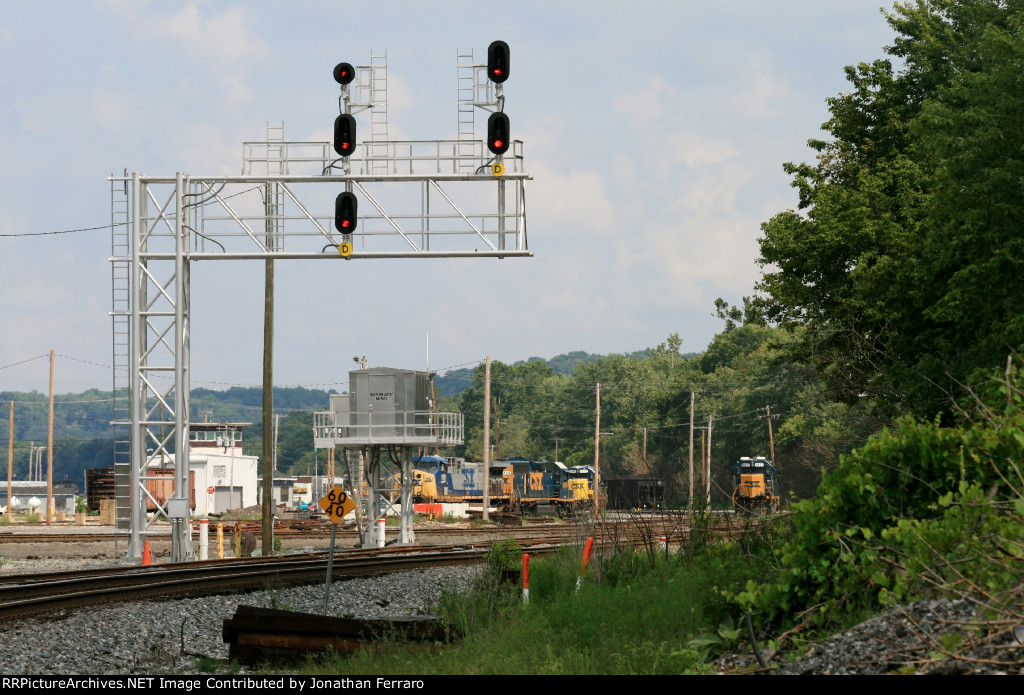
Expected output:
(46, 593)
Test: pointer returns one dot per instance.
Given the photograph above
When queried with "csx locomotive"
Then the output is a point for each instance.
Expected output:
(755, 485)
(517, 484)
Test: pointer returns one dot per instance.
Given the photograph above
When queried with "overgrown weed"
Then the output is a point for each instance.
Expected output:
(628, 615)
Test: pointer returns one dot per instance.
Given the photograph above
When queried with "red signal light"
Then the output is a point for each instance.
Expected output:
(344, 73)
(497, 133)
(497, 61)
(346, 211)
(345, 135)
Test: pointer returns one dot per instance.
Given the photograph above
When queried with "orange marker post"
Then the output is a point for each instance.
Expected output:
(588, 547)
(526, 578)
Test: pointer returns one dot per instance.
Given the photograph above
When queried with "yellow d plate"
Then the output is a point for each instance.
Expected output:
(345, 249)
(498, 169)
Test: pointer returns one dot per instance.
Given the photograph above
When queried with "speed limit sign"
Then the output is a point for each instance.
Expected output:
(337, 504)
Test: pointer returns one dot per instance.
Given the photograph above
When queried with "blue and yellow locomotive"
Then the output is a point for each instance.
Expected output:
(439, 479)
(550, 486)
(755, 485)
(525, 485)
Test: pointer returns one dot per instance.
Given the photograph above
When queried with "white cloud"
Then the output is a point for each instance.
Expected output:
(763, 94)
(571, 204)
(206, 151)
(111, 110)
(644, 106)
(220, 43)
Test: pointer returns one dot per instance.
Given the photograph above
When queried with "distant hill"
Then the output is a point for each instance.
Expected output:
(456, 381)
(565, 364)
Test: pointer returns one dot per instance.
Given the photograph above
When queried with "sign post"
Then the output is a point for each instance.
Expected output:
(337, 505)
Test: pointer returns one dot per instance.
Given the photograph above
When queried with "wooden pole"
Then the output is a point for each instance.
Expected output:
(703, 454)
(708, 488)
(647, 468)
(49, 453)
(10, 466)
(692, 397)
(597, 454)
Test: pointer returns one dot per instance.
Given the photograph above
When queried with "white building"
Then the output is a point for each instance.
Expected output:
(30, 497)
(225, 478)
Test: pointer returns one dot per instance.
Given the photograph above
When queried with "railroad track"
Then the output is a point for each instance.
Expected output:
(37, 594)
(58, 536)
(42, 593)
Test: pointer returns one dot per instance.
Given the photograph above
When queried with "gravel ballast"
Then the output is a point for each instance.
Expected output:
(147, 637)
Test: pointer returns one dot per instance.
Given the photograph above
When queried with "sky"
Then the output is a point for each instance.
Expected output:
(654, 132)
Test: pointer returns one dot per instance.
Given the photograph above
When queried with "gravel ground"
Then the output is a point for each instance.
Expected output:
(164, 637)
(903, 640)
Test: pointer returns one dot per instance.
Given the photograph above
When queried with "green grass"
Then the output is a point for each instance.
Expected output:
(635, 613)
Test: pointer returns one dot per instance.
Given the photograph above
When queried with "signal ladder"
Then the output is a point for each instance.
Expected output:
(120, 313)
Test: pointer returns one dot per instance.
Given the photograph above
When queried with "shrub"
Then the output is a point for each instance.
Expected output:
(891, 498)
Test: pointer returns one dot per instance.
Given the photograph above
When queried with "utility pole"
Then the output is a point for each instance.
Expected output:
(647, 469)
(771, 438)
(49, 454)
(487, 436)
(703, 452)
(557, 439)
(708, 464)
(10, 465)
(692, 397)
(597, 455)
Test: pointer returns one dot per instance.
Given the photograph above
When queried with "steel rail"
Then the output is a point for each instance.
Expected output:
(39, 595)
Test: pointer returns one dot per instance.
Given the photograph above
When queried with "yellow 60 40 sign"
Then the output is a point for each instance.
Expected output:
(337, 504)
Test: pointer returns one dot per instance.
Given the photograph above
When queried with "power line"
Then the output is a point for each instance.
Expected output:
(30, 359)
(66, 231)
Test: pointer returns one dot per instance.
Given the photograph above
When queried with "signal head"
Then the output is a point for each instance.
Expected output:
(498, 133)
(346, 211)
(345, 135)
(497, 61)
(344, 73)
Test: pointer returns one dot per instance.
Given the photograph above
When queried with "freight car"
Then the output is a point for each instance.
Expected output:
(99, 485)
(627, 492)
(755, 485)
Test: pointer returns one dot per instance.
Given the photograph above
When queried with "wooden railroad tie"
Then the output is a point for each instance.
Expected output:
(258, 635)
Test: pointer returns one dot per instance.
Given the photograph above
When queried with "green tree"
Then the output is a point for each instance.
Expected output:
(903, 260)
